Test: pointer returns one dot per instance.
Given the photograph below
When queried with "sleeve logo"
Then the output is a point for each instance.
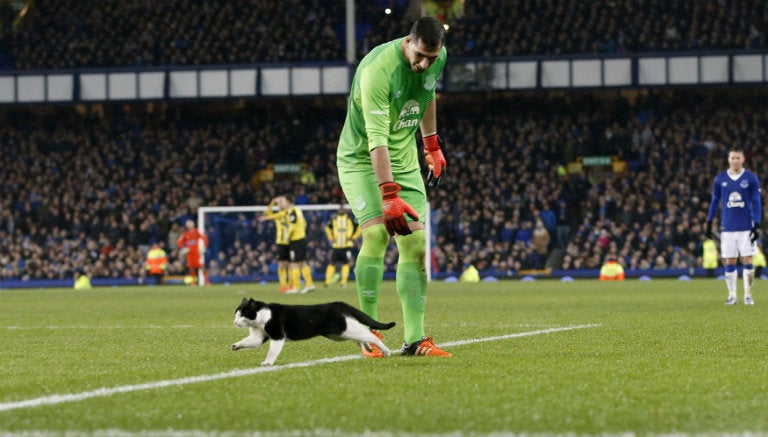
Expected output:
(430, 81)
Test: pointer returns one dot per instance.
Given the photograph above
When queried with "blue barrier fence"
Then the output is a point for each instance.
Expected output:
(8, 284)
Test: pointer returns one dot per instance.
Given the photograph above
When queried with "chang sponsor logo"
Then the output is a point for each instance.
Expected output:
(735, 201)
(409, 116)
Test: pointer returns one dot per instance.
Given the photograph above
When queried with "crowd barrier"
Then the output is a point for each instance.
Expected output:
(488, 276)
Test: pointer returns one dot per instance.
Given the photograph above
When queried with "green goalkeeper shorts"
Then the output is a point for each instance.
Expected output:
(362, 193)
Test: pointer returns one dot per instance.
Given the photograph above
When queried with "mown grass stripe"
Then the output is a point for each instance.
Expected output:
(106, 391)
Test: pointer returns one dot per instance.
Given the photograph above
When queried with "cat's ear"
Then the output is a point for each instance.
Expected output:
(245, 300)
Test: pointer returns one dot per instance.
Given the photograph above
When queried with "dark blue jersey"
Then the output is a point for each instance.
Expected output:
(738, 199)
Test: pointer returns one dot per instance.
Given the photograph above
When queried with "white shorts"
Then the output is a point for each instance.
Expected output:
(736, 244)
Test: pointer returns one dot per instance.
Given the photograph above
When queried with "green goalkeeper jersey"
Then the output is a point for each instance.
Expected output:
(386, 103)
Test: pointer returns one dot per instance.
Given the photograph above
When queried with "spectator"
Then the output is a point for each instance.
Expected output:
(470, 273)
(82, 281)
(540, 241)
(611, 270)
(157, 262)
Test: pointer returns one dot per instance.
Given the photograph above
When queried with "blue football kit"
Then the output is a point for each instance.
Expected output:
(739, 200)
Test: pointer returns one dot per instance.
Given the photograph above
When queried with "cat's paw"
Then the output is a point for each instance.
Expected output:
(235, 347)
(266, 364)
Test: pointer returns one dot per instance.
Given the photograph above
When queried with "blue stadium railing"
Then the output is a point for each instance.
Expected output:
(583, 274)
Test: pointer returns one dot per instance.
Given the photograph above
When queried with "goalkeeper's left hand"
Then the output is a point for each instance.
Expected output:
(754, 234)
(435, 160)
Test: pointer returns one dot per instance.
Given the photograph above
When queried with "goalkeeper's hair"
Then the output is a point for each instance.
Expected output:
(429, 31)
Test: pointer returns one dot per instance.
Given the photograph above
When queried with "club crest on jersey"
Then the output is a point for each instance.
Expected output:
(430, 81)
(409, 116)
(744, 184)
(359, 203)
(735, 201)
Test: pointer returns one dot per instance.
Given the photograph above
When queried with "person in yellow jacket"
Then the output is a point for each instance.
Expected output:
(470, 274)
(342, 232)
(709, 256)
(82, 281)
(611, 270)
(156, 263)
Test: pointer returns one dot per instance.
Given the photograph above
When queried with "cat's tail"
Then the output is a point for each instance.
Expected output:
(367, 320)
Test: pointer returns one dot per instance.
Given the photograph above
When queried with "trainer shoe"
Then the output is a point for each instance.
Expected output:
(283, 289)
(292, 291)
(307, 289)
(375, 352)
(748, 300)
(731, 301)
(425, 346)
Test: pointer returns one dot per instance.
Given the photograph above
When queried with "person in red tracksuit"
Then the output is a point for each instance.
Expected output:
(193, 243)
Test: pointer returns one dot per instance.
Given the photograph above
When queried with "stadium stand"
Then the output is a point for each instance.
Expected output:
(92, 190)
(118, 33)
(91, 187)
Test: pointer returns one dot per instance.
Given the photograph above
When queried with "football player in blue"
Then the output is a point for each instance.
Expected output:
(736, 192)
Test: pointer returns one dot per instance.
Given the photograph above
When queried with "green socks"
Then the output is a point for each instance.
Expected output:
(369, 268)
(411, 279)
(411, 284)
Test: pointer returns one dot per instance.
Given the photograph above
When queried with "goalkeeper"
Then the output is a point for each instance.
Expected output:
(393, 95)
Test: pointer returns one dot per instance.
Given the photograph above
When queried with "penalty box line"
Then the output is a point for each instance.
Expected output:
(109, 391)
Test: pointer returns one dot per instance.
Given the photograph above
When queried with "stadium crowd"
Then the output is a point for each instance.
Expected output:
(83, 190)
(124, 33)
(94, 190)
(649, 217)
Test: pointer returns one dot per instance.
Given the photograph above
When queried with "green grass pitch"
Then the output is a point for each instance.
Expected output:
(643, 358)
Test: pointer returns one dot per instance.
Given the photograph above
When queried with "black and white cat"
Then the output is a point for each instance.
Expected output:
(278, 323)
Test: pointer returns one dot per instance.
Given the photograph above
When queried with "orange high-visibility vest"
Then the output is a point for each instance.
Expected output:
(156, 261)
(612, 271)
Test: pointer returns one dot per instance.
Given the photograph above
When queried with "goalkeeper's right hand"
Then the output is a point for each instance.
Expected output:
(708, 232)
(433, 154)
(394, 209)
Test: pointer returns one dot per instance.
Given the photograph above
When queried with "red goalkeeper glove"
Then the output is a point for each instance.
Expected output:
(435, 160)
(394, 209)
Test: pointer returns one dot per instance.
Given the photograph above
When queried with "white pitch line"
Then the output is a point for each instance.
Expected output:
(101, 328)
(517, 335)
(106, 391)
